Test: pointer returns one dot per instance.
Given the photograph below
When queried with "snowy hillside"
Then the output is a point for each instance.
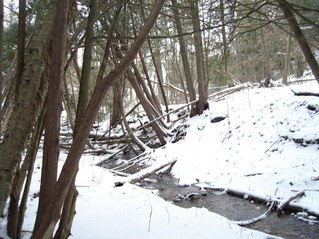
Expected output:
(266, 146)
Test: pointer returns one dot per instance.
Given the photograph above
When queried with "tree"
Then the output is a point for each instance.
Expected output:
(288, 11)
(52, 212)
(51, 148)
(200, 65)
(28, 104)
(1, 52)
(185, 61)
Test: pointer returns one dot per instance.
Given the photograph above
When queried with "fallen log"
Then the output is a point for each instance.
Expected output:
(263, 199)
(274, 204)
(305, 93)
(290, 206)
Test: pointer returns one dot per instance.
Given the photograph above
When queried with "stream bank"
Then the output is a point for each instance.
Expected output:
(289, 225)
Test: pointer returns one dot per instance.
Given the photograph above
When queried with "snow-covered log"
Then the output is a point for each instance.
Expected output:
(305, 93)
(289, 205)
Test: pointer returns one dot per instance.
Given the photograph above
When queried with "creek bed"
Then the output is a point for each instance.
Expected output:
(237, 209)
(232, 207)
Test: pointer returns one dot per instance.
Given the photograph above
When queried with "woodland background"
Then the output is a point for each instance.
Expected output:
(98, 60)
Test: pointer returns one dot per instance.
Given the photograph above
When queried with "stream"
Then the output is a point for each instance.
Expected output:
(290, 225)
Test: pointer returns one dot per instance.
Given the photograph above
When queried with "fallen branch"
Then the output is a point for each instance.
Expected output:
(284, 204)
(280, 208)
(113, 154)
(145, 173)
(228, 91)
(290, 206)
(305, 93)
(98, 151)
(256, 219)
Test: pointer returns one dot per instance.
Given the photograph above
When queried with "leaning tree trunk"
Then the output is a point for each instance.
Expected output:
(29, 101)
(149, 109)
(287, 9)
(70, 167)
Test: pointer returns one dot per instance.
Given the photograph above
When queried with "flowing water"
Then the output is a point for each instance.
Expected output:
(290, 225)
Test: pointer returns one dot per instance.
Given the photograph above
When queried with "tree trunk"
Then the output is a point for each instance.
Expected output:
(268, 75)
(51, 148)
(86, 67)
(154, 97)
(21, 42)
(201, 76)
(116, 114)
(186, 66)
(29, 101)
(70, 168)
(159, 77)
(287, 9)
(225, 51)
(15, 213)
(1, 59)
(30, 158)
(145, 89)
(130, 133)
(149, 109)
(108, 42)
(286, 72)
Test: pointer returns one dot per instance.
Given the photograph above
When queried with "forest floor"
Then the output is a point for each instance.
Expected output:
(266, 147)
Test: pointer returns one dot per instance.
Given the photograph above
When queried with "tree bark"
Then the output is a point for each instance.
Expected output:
(1, 57)
(116, 114)
(149, 109)
(201, 76)
(186, 66)
(286, 71)
(70, 167)
(268, 72)
(86, 67)
(29, 102)
(16, 213)
(21, 42)
(148, 79)
(287, 9)
(30, 157)
(51, 148)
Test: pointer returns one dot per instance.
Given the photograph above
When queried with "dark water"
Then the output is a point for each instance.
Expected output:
(238, 209)
(234, 208)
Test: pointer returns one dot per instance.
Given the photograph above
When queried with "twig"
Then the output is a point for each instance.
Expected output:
(256, 219)
(150, 217)
(284, 204)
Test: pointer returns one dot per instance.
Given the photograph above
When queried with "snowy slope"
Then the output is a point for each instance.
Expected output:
(267, 145)
(257, 149)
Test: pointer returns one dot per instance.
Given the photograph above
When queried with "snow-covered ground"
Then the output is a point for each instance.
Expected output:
(267, 146)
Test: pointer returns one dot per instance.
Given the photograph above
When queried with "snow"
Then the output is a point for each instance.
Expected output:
(265, 146)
